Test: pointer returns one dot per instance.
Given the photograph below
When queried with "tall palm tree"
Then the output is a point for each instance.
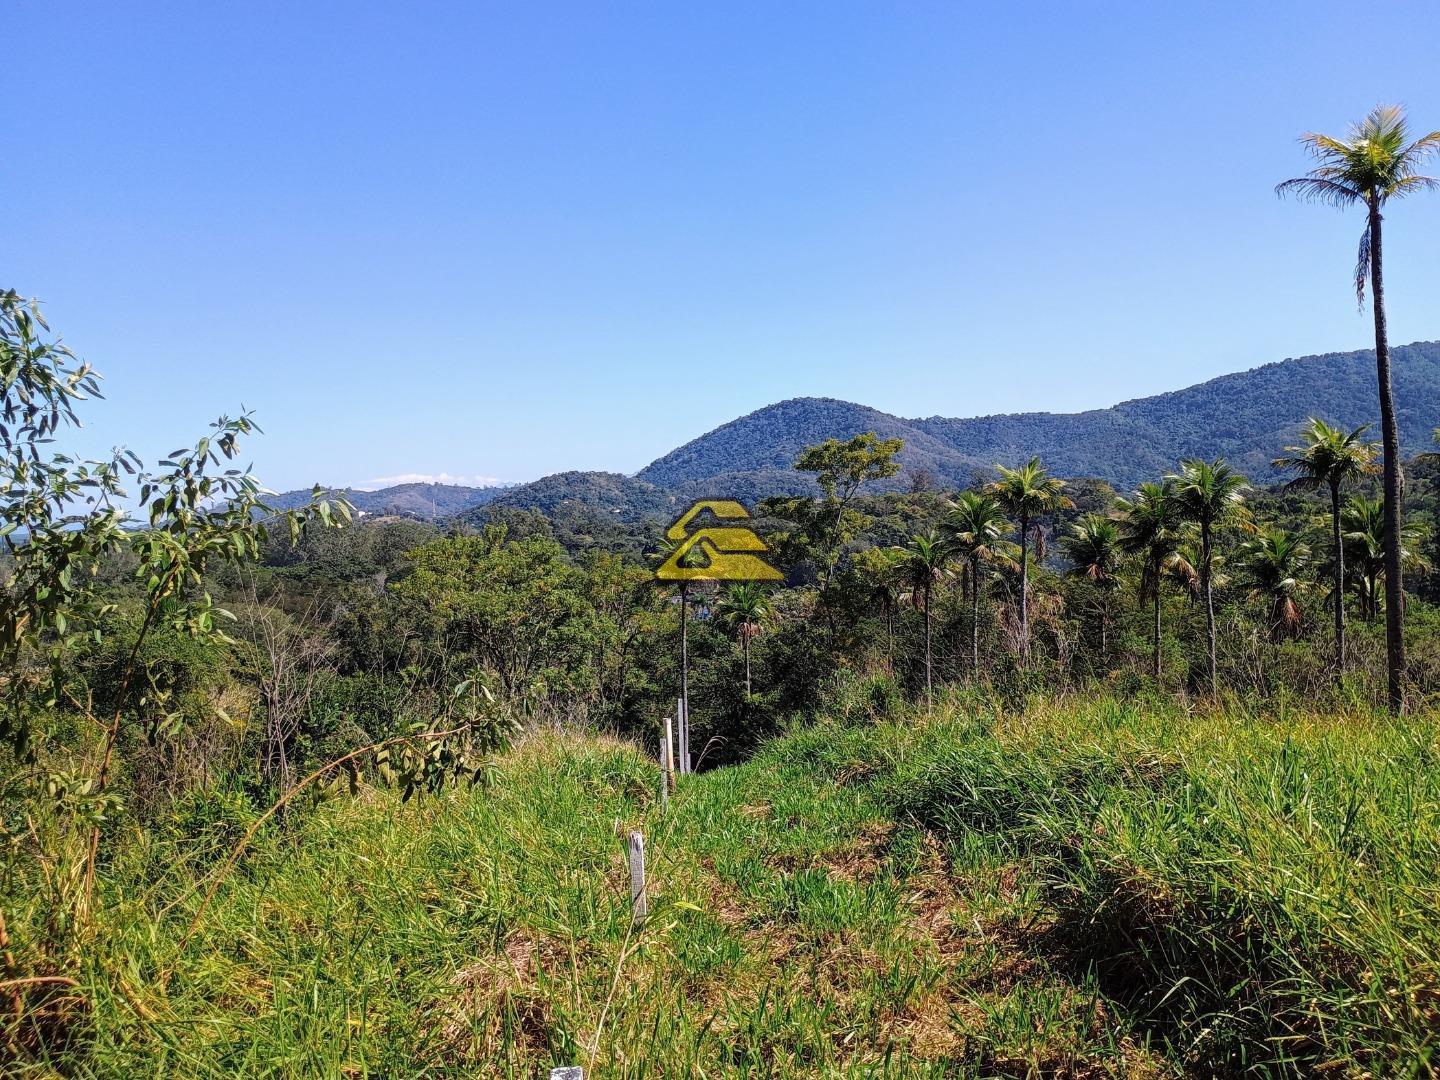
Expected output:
(1363, 521)
(743, 609)
(1273, 566)
(1211, 495)
(976, 526)
(1374, 163)
(1093, 548)
(926, 563)
(1329, 457)
(1027, 494)
(1150, 527)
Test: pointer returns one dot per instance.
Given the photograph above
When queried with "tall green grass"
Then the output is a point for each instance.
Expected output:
(1090, 887)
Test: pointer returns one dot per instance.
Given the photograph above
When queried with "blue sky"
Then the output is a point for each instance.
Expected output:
(485, 240)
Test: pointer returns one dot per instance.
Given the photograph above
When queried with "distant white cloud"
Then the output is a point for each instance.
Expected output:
(429, 478)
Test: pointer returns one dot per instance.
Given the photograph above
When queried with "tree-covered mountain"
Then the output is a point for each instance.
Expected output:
(1246, 417)
(625, 498)
(425, 502)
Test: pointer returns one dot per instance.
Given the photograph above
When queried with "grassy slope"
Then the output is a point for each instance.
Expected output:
(1088, 890)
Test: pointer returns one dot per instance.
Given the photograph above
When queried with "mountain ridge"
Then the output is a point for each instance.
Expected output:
(1247, 417)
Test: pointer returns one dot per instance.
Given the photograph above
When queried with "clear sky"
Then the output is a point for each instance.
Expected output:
(501, 240)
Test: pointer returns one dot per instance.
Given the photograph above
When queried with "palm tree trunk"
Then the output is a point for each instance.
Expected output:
(1394, 509)
(1025, 587)
(1335, 539)
(975, 618)
(745, 645)
(1157, 627)
(1205, 557)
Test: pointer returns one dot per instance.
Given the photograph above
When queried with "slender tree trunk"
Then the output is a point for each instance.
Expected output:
(1025, 587)
(929, 687)
(975, 619)
(1205, 557)
(1105, 627)
(890, 639)
(1157, 627)
(685, 646)
(1394, 483)
(745, 646)
(1335, 539)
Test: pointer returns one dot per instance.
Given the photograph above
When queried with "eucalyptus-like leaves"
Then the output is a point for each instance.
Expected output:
(62, 519)
(459, 744)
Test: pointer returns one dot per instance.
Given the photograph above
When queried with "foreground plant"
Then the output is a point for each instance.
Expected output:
(64, 523)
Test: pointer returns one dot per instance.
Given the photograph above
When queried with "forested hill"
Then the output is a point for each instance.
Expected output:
(427, 502)
(1247, 417)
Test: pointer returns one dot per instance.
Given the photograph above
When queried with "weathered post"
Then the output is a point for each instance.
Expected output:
(667, 756)
(664, 774)
(639, 904)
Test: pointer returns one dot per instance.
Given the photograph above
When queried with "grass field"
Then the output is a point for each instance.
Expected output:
(1089, 888)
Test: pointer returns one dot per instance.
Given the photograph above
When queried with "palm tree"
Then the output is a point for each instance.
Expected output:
(1210, 494)
(1363, 521)
(975, 527)
(1027, 494)
(1273, 566)
(743, 609)
(1373, 164)
(1330, 458)
(1150, 527)
(926, 559)
(1093, 547)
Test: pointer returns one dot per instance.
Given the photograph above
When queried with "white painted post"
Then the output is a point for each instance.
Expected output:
(639, 904)
(667, 759)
